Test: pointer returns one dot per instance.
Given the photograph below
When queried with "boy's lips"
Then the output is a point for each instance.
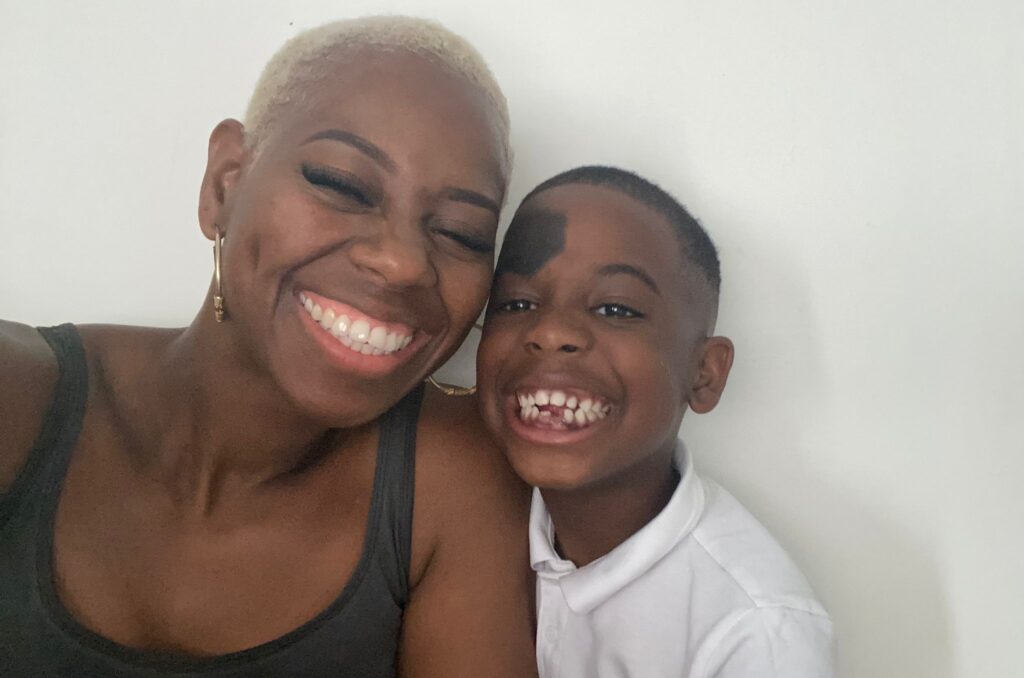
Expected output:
(355, 339)
(555, 415)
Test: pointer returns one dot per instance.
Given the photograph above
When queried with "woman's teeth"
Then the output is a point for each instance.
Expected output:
(356, 333)
(560, 410)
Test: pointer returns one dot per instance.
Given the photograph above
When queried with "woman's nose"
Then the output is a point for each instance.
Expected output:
(396, 257)
(558, 330)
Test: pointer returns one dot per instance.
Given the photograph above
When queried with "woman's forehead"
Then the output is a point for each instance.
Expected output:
(390, 94)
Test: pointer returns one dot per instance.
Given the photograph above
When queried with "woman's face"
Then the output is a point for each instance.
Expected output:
(359, 241)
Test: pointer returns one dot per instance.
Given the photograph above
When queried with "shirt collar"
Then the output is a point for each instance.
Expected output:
(587, 587)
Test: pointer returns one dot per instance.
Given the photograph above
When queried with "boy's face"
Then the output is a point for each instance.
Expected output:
(595, 338)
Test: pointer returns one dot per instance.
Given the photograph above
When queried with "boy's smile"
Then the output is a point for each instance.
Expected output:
(592, 341)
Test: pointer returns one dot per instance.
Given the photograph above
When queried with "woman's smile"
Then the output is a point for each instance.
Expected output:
(355, 340)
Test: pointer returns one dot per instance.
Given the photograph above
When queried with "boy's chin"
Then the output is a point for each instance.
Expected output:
(550, 471)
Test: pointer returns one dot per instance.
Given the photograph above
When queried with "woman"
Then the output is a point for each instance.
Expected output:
(236, 497)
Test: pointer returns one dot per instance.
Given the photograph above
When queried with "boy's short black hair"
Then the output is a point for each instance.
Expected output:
(697, 246)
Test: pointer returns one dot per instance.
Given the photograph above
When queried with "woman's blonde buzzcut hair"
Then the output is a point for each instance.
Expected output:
(306, 58)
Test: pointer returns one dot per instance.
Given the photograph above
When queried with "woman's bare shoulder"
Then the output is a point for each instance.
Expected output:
(28, 373)
(452, 438)
(460, 472)
(470, 606)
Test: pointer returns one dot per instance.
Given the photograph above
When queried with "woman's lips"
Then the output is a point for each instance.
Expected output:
(354, 329)
(355, 339)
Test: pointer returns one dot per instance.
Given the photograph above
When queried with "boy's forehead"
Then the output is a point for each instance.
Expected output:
(535, 236)
(585, 218)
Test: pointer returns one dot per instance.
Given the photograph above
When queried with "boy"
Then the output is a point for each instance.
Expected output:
(598, 338)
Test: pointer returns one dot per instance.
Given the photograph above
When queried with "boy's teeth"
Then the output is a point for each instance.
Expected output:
(357, 334)
(556, 407)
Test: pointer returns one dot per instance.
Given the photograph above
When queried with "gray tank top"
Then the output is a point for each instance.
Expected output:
(357, 635)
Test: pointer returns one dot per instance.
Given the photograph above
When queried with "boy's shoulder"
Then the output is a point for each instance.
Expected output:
(761, 616)
(748, 555)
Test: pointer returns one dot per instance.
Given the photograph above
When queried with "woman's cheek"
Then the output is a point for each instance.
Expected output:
(465, 293)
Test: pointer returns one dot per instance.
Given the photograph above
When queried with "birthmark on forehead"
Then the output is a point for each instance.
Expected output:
(534, 238)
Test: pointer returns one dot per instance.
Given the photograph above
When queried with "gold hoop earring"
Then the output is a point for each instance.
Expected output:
(218, 289)
(451, 389)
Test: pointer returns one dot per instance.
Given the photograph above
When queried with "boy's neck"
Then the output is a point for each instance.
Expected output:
(591, 521)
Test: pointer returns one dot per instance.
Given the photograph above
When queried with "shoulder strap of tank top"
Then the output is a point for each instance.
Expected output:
(396, 474)
(62, 423)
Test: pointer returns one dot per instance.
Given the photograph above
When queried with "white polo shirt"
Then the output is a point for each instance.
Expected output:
(702, 590)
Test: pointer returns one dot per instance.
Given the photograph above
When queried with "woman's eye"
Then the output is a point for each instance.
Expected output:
(470, 242)
(515, 306)
(338, 183)
(618, 311)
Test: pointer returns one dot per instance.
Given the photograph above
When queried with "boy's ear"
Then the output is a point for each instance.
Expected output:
(223, 166)
(714, 362)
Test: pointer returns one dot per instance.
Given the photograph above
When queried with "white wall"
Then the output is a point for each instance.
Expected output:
(859, 164)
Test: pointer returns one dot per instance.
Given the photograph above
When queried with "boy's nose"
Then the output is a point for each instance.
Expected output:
(396, 256)
(558, 331)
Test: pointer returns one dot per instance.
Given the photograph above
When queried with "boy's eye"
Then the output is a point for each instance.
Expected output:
(617, 311)
(337, 182)
(515, 306)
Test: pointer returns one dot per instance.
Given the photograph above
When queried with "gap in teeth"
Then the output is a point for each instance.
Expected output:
(356, 334)
(557, 407)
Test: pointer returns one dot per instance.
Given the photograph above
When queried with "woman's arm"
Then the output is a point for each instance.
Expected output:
(470, 612)
(28, 372)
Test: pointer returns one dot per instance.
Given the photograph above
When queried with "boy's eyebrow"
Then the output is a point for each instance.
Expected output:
(628, 269)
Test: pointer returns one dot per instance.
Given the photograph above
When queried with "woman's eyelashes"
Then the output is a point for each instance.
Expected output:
(342, 184)
(471, 242)
(352, 190)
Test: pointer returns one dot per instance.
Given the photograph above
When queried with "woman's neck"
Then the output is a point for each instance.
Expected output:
(591, 521)
(204, 417)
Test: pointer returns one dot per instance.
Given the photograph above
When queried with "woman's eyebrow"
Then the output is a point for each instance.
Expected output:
(377, 154)
(473, 198)
(367, 148)
(629, 269)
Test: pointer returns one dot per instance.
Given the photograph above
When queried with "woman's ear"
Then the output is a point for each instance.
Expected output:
(223, 166)
(714, 362)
